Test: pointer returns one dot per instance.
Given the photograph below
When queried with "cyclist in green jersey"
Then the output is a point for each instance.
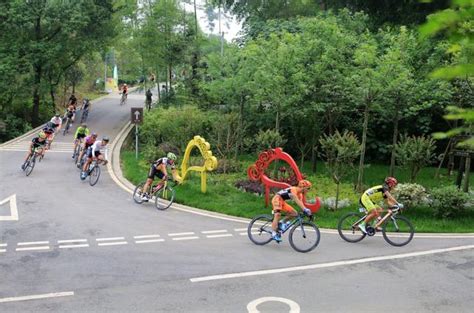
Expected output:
(81, 132)
(374, 195)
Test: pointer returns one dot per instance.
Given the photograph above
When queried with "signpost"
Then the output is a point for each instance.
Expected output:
(137, 118)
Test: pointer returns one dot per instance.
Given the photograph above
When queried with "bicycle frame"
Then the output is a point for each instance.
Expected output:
(297, 220)
(390, 213)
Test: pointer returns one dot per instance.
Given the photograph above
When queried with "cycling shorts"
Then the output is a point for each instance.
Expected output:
(367, 203)
(279, 204)
(89, 153)
(154, 172)
(81, 136)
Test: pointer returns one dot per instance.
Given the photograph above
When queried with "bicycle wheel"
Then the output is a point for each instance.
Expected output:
(348, 229)
(77, 151)
(30, 166)
(164, 198)
(137, 193)
(94, 175)
(260, 229)
(66, 128)
(398, 231)
(304, 237)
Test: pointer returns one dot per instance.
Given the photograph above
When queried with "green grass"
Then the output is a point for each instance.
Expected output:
(223, 197)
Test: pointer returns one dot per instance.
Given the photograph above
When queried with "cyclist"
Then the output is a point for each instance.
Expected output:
(70, 112)
(279, 204)
(81, 132)
(148, 97)
(49, 131)
(57, 121)
(94, 152)
(72, 100)
(158, 168)
(374, 195)
(36, 143)
(124, 92)
(88, 142)
(86, 104)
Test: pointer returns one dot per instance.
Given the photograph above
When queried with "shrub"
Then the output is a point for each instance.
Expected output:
(411, 194)
(415, 153)
(449, 201)
(250, 186)
(269, 139)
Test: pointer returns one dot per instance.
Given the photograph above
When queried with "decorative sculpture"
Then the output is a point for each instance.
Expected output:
(256, 172)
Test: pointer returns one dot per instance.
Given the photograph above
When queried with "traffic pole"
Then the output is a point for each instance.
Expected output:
(136, 141)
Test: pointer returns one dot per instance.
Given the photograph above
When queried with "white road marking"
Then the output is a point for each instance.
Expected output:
(252, 306)
(33, 248)
(72, 240)
(24, 150)
(244, 234)
(2, 250)
(13, 209)
(73, 246)
(181, 234)
(219, 236)
(33, 243)
(240, 229)
(110, 239)
(149, 240)
(214, 231)
(36, 297)
(112, 243)
(146, 236)
(186, 238)
(330, 264)
(3, 244)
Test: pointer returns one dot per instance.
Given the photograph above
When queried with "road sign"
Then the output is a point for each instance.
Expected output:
(137, 115)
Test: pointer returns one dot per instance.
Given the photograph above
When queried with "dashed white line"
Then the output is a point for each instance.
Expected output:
(32, 248)
(243, 234)
(113, 243)
(146, 236)
(36, 297)
(73, 246)
(33, 243)
(72, 240)
(219, 236)
(181, 234)
(2, 250)
(110, 239)
(3, 244)
(186, 238)
(214, 231)
(330, 264)
(149, 240)
(240, 229)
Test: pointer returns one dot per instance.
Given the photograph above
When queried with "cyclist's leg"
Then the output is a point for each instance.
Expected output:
(370, 206)
(85, 168)
(28, 154)
(81, 153)
(150, 178)
(277, 207)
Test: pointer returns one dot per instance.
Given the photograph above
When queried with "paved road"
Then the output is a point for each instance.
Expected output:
(91, 249)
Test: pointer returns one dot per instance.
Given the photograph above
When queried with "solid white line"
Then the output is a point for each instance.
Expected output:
(186, 238)
(149, 240)
(72, 240)
(33, 243)
(36, 297)
(240, 229)
(214, 231)
(181, 234)
(218, 236)
(146, 236)
(112, 243)
(330, 264)
(74, 246)
(110, 239)
(32, 248)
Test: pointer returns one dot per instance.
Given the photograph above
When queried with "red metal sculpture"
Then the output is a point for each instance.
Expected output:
(256, 172)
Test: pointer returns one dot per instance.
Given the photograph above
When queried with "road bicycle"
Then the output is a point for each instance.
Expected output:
(123, 99)
(84, 116)
(67, 125)
(29, 164)
(397, 230)
(304, 235)
(77, 150)
(164, 194)
(94, 171)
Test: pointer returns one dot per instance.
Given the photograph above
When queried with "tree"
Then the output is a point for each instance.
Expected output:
(415, 153)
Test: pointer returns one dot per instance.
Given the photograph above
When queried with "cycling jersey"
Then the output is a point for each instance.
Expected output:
(166, 162)
(95, 149)
(37, 143)
(57, 121)
(373, 195)
(279, 200)
(89, 141)
(81, 132)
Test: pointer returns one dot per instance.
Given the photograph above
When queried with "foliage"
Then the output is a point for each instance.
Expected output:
(411, 195)
(269, 139)
(449, 202)
(414, 153)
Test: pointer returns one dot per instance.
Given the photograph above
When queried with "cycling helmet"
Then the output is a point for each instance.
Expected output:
(42, 135)
(171, 156)
(48, 130)
(304, 184)
(94, 135)
(57, 115)
(391, 181)
(84, 125)
(105, 138)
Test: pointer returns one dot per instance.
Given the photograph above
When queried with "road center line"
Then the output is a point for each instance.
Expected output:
(149, 240)
(33, 248)
(3, 244)
(74, 246)
(2, 250)
(330, 264)
(186, 238)
(181, 234)
(240, 229)
(72, 240)
(110, 239)
(146, 236)
(33, 243)
(219, 236)
(36, 297)
(214, 231)
(112, 243)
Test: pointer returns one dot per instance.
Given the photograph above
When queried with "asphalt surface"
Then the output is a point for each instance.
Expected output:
(109, 254)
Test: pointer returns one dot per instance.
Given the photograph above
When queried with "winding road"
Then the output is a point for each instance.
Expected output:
(76, 248)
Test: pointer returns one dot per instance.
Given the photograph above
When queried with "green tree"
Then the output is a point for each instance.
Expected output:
(415, 153)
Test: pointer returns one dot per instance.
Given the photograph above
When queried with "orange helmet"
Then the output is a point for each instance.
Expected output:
(391, 181)
(304, 184)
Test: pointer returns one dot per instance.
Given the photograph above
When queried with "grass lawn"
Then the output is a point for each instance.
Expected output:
(223, 197)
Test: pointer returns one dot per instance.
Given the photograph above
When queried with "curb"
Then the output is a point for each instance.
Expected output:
(116, 173)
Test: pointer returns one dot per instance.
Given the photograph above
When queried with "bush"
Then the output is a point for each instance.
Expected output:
(411, 195)
(449, 202)
(250, 186)
(415, 153)
(269, 139)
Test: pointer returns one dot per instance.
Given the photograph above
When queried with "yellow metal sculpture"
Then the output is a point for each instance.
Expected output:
(210, 161)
